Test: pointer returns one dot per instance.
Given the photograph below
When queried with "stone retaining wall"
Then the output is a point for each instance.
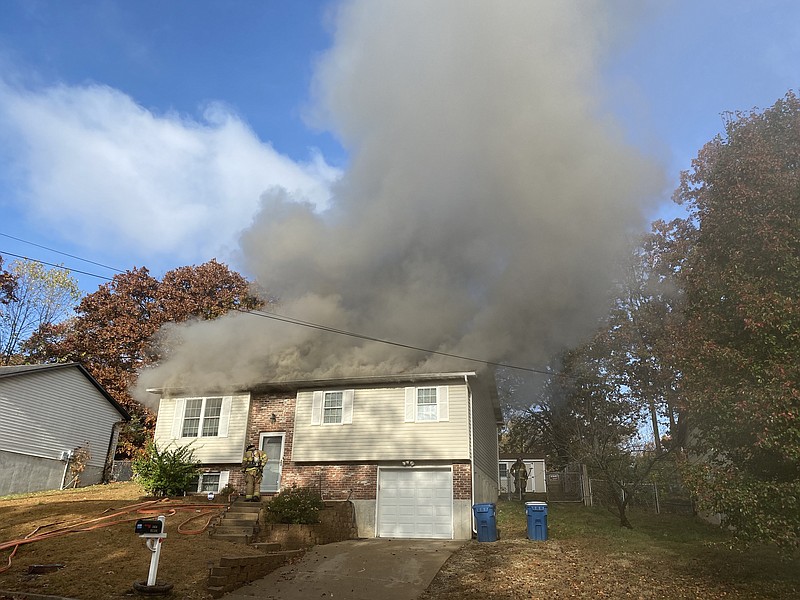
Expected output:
(337, 523)
(235, 571)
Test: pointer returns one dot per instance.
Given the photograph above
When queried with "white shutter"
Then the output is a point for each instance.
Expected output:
(177, 418)
(224, 416)
(316, 408)
(347, 406)
(443, 401)
(411, 404)
(224, 476)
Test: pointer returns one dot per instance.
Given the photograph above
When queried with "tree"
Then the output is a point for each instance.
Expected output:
(114, 331)
(42, 297)
(737, 260)
(8, 285)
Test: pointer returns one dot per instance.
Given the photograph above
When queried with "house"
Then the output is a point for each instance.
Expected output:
(537, 483)
(47, 412)
(412, 452)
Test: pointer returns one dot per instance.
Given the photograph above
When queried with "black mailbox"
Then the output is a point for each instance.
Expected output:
(148, 526)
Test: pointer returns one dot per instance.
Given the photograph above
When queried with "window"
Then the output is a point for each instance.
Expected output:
(201, 416)
(211, 481)
(426, 404)
(332, 407)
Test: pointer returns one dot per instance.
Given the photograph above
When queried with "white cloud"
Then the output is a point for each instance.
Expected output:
(103, 171)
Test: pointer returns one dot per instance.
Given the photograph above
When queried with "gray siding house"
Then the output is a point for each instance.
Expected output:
(412, 452)
(46, 412)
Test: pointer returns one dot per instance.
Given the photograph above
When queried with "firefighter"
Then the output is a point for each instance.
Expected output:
(520, 474)
(253, 467)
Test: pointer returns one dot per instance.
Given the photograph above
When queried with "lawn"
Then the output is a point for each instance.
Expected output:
(588, 555)
(104, 562)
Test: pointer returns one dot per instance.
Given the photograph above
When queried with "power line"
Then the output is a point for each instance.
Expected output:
(86, 260)
(310, 325)
(293, 321)
(62, 267)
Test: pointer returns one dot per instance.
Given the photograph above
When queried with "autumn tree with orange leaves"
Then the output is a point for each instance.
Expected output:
(113, 331)
(736, 259)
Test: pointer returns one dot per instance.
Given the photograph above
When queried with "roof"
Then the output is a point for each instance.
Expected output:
(20, 370)
(301, 384)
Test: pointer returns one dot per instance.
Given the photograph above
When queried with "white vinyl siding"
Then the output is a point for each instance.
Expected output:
(379, 430)
(44, 413)
(485, 447)
(228, 417)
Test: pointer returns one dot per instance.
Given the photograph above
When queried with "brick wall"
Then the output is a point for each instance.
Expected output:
(462, 481)
(334, 481)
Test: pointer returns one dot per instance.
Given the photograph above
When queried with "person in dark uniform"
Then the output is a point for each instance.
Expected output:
(520, 473)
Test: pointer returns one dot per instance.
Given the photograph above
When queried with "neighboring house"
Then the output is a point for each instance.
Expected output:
(537, 483)
(46, 413)
(412, 452)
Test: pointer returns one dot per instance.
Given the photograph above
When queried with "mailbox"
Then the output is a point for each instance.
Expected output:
(149, 527)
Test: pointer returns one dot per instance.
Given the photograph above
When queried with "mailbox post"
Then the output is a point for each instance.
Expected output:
(152, 530)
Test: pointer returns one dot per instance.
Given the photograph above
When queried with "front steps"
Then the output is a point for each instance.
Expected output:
(240, 523)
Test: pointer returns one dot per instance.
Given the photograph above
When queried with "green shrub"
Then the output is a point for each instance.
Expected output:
(295, 506)
(166, 472)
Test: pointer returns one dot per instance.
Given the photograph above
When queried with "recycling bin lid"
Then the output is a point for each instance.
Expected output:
(536, 504)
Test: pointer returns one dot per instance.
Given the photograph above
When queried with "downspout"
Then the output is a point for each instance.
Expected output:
(471, 458)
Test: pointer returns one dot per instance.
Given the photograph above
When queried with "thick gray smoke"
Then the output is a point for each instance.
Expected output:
(487, 198)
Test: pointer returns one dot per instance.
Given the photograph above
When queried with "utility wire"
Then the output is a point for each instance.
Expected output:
(293, 321)
(62, 267)
(86, 260)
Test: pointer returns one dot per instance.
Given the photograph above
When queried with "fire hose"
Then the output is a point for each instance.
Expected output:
(147, 508)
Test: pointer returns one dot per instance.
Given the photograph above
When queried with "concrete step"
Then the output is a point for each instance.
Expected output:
(229, 521)
(248, 507)
(236, 539)
(224, 529)
(268, 547)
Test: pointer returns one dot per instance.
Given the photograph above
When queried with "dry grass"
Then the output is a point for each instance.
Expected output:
(588, 555)
(102, 563)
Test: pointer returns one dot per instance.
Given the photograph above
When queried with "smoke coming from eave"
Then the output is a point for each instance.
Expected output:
(486, 200)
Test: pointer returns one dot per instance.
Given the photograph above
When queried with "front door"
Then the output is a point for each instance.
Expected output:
(272, 444)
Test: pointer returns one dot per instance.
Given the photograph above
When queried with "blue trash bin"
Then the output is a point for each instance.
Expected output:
(486, 522)
(537, 520)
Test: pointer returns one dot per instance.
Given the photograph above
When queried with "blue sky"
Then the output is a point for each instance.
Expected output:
(144, 133)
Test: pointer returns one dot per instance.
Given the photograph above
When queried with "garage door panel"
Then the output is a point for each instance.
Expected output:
(415, 503)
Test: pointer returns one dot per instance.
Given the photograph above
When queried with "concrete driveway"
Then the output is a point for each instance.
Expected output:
(368, 569)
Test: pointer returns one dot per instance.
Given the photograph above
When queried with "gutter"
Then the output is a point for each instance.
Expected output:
(471, 456)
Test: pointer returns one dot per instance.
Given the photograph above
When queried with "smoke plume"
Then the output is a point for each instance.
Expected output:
(487, 198)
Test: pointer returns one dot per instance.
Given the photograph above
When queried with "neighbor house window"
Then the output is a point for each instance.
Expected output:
(332, 407)
(201, 417)
(427, 405)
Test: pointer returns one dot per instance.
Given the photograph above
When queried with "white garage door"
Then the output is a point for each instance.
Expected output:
(415, 503)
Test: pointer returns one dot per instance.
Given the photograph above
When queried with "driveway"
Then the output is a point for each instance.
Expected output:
(355, 570)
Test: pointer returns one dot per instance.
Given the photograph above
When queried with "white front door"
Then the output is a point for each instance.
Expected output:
(272, 444)
(415, 503)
